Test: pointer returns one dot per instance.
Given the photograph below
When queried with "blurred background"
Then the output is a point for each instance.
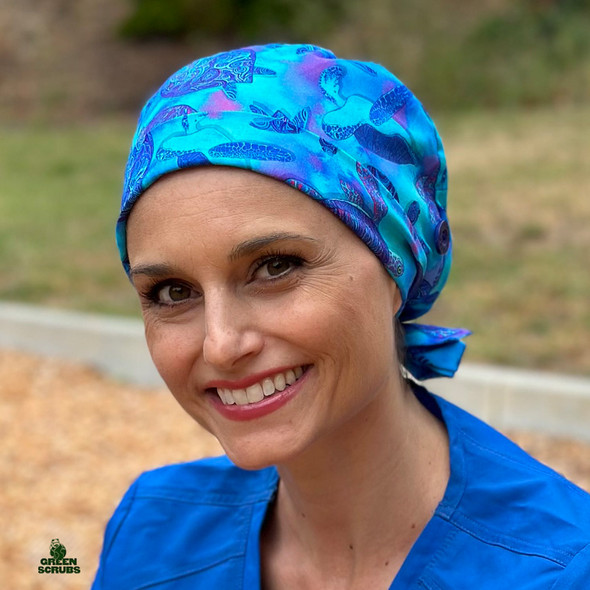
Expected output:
(506, 81)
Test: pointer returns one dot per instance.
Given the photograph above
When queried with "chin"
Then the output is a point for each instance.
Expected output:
(252, 461)
(256, 454)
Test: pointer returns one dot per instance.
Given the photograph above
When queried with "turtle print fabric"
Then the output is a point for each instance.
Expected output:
(346, 133)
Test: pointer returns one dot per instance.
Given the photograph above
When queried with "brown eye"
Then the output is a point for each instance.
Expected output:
(174, 293)
(275, 267)
(278, 266)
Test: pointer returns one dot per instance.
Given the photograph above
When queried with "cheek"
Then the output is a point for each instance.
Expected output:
(173, 348)
(352, 319)
(366, 318)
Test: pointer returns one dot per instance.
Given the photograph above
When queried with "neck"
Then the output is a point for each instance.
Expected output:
(360, 498)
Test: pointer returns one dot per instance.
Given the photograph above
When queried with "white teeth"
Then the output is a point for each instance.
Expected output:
(279, 382)
(268, 387)
(259, 391)
(239, 396)
(254, 393)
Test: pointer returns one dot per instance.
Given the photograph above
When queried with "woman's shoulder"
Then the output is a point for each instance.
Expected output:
(505, 498)
(190, 521)
(489, 458)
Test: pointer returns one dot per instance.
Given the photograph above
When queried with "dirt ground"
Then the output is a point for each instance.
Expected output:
(72, 443)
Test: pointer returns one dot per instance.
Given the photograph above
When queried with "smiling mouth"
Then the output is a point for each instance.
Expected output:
(264, 389)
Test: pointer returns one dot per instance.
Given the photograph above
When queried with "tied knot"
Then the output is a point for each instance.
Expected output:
(432, 351)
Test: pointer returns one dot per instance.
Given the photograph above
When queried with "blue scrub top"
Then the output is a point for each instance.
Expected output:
(505, 522)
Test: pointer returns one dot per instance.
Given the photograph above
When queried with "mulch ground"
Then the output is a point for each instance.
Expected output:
(73, 441)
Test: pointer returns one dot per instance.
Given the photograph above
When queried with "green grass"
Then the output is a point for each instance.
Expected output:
(520, 214)
(518, 205)
(59, 195)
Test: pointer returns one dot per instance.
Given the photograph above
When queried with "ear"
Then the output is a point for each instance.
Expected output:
(396, 299)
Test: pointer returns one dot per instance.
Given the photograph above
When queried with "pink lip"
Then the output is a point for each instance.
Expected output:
(263, 407)
(247, 381)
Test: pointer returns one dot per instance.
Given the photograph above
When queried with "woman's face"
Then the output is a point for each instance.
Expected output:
(268, 319)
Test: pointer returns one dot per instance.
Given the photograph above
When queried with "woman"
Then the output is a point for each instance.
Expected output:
(283, 218)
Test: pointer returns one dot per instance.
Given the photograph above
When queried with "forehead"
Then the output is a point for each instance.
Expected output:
(216, 191)
(222, 203)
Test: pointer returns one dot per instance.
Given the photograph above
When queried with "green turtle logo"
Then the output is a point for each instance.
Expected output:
(57, 550)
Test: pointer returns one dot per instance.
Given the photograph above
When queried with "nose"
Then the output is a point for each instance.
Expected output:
(230, 333)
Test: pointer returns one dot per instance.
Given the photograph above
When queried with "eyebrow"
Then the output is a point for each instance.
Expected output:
(252, 245)
(152, 270)
(242, 249)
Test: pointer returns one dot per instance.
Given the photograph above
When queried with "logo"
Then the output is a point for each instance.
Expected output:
(58, 563)
(57, 550)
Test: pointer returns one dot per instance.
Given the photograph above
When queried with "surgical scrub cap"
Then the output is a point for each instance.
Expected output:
(346, 133)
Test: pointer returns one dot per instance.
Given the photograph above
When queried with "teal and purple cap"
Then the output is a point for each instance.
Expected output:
(346, 133)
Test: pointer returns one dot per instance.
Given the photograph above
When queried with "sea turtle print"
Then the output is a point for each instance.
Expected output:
(252, 150)
(279, 121)
(224, 70)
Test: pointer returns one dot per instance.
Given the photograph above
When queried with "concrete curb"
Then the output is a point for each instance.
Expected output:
(504, 397)
(115, 346)
(514, 398)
